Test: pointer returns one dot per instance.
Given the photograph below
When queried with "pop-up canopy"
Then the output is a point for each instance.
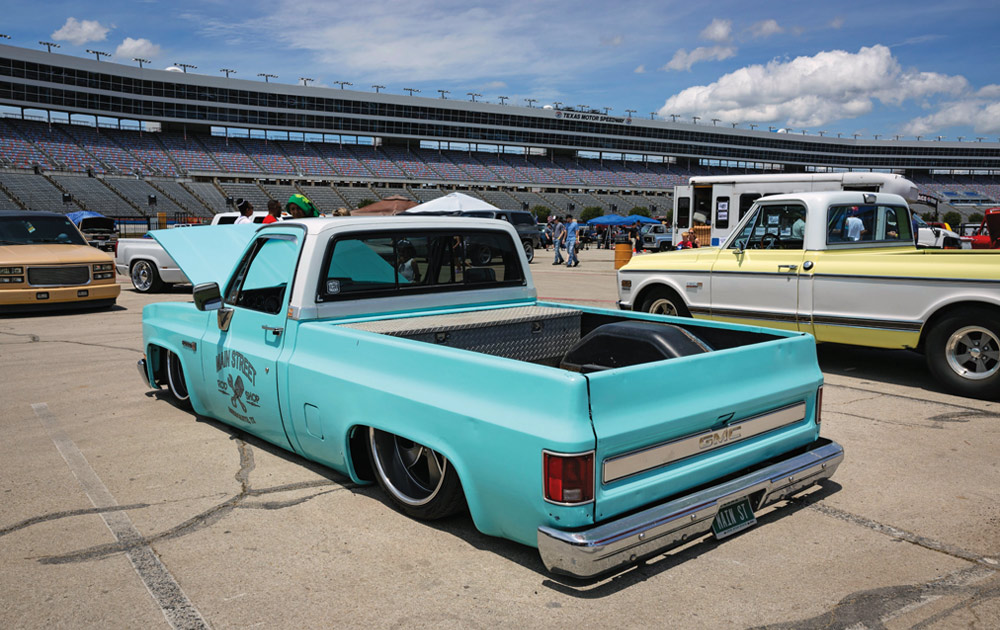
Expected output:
(452, 202)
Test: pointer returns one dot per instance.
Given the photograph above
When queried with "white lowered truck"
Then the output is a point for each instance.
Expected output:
(150, 268)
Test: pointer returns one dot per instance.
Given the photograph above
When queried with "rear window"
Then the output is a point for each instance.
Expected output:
(522, 218)
(868, 224)
(385, 264)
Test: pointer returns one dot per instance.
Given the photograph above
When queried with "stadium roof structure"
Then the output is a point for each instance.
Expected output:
(39, 80)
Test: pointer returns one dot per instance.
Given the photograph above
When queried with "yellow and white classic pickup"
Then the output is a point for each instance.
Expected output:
(842, 266)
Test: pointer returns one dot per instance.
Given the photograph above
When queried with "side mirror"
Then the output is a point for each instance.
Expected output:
(739, 247)
(207, 297)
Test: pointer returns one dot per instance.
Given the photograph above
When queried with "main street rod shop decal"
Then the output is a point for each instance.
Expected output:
(237, 390)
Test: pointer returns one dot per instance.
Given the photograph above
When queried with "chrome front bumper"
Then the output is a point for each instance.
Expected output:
(602, 548)
(144, 372)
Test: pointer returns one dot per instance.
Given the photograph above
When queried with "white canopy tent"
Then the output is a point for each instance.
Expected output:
(452, 202)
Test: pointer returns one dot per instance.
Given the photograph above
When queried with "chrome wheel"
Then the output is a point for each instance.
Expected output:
(145, 277)
(663, 306)
(529, 250)
(175, 378)
(412, 472)
(973, 353)
(419, 480)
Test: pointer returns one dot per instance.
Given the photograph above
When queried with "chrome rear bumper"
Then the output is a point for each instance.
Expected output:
(602, 548)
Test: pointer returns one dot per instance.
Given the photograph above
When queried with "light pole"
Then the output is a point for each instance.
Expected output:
(49, 45)
(411, 90)
(940, 138)
(98, 53)
(267, 76)
(443, 92)
(583, 107)
(183, 66)
(5, 36)
(503, 99)
(918, 138)
(696, 119)
(651, 115)
(529, 101)
(753, 126)
(630, 112)
(979, 139)
(734, 125)
(876, 136)
(960, 138)
(473, 95)
(343, 83)
(715, 121)
(140, 60)
(607, 109)
(228, 71)
(306, 80)
(556, 104)
(856, 135)
(378, 87)
(821, 133)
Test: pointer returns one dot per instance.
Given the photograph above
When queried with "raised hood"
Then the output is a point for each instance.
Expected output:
(206, 253)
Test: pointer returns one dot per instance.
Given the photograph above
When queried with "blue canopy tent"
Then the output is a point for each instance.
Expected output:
(80, 215)
(617, 219)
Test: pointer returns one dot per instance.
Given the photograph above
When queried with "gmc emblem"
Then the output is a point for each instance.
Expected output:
(718, 438)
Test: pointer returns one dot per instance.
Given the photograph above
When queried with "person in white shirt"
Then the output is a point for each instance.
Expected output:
(246, 211)
(854, 226)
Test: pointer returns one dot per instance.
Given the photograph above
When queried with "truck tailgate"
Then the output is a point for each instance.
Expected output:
(667, 427)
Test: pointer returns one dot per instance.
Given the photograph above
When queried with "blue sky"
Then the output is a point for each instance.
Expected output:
(887, 68)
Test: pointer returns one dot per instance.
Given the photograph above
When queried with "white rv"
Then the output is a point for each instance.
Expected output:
(721, 201)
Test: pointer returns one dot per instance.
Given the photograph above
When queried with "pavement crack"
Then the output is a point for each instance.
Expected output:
(912, 398)
(35, 520)
(37, 339)
(212, 515)
(905, 536)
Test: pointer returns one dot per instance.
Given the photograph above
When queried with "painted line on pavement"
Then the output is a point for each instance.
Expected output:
(164, 589)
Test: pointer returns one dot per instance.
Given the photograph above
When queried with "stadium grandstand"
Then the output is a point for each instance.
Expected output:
(137, 143)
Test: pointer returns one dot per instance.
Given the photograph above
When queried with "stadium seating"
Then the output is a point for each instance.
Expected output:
(268, 154)
(60, 147)
(35, 192)
(324, 197)
(17, 152)
(210, 195)
(99, 144)
(189, 153)
(305, 158)
(146, 148)
(377, 161)
(139, 190)
(343, 161)
(95, 195)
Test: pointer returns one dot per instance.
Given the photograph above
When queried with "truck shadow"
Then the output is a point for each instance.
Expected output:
(898, 367)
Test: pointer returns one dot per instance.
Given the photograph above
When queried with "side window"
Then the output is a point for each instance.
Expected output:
(746, 202)
(684, 212)
(722, 213)
(773, 227)
(264, 274)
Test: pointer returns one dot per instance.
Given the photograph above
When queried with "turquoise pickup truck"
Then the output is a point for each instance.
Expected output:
(414, 353)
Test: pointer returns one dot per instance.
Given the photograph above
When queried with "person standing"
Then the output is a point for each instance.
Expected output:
(571, 233)
(273, 212)
(635, 235)
(245, 209)
(558, 239)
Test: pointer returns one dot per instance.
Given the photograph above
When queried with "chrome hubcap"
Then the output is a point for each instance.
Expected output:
(413, 472)
(141, 277)
(973, 353)
(663, 307)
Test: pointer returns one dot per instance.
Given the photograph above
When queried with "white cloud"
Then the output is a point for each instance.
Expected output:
(718, 31)
(811, 91)
(765, 28)
(80, 32)
(612, 41)
(683, 60)
(837, 22)
(141, 47)
(640, 69)
(982, 116)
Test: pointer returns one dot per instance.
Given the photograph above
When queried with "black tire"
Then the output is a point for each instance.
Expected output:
(480, 255)
(176, 382)
(420, 482)
(963, 353)
(664, 246)
(145, 277)
(529, 250)
(664, 301)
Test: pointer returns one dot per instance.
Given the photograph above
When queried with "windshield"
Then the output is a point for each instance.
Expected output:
(919, 221)
(41, 229)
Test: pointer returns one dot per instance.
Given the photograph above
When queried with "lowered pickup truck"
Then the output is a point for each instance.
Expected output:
(388, 350)
(843, 267)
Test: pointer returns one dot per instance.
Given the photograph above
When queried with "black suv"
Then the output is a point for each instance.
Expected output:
(522, 220)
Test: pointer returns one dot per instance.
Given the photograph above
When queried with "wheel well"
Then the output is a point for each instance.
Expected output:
(949, 310)
(360, 458)
(157, 359)
(650, 288)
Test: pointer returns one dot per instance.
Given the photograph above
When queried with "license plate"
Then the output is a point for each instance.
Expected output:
(733, 517)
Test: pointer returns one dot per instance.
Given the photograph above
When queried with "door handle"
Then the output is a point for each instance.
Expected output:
(277, 331)
(788, 267)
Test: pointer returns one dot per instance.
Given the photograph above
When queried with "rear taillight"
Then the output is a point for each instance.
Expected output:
(819, 405)
(569, 479)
